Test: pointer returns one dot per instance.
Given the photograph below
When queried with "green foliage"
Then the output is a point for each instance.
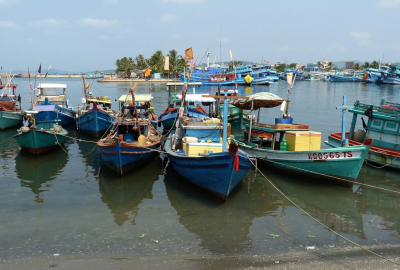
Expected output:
(280, 67)
(141, 62)
(156, 62)
(318, 64)
(356, 66)
(374, 64)
(366, 65)
(124, 63)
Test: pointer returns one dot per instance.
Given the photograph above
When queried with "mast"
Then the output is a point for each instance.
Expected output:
(134, 107)
(208, 58)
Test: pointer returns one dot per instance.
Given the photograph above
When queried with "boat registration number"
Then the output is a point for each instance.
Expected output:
(330, 155)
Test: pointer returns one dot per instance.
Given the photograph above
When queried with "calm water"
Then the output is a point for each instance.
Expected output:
(70, 205)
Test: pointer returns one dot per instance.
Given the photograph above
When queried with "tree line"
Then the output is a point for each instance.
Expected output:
(155, 63)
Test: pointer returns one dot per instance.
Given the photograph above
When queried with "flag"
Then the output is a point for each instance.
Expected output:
(289, 77)
(267, 62)
(147, 72)
(188, 54)
(264, 61)
(230, 52)
(40, 69)
(166, 63)
(87, 86)
(47, 72)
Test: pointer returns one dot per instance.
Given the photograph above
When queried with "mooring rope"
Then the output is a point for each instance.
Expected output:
(326, 227)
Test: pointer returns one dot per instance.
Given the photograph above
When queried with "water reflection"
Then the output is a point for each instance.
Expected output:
(123, 195)
(7, 142)
(90, 154)
(333, 205)
(35, 172)
(222, 228)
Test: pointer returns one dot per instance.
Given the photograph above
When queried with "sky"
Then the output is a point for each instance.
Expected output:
(78, 36)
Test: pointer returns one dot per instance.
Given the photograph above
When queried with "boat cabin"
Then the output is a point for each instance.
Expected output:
(53, 92)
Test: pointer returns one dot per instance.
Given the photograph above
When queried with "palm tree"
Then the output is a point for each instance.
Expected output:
(156, 61)
(141, 62)
(124, 64)
(374, 64)
(366, 65)
(173, 61)
(330, 65)
(318, 64)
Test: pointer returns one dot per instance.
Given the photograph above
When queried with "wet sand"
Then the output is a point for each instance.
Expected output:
(343, 258)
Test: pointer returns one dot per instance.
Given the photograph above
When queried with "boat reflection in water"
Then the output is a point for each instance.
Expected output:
(7, 143)
(124, 194)
(222, 228)
(90, 154)
(37, 172)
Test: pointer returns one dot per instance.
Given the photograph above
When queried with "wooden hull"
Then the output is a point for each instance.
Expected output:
(168, 118)
(343, 162)
(37, 141)
(122, 157)
(379, 155)
(94, 122)
(66, 117)
(214, 173)
(10, 119)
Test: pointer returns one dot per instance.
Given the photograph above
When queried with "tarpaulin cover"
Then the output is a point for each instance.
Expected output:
(8, 105)
(261, 100)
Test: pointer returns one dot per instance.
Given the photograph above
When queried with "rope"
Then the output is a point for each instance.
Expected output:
(326, 227)
(334, 177)
(366, 161)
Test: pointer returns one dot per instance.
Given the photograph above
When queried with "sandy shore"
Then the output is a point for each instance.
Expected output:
(341, 258)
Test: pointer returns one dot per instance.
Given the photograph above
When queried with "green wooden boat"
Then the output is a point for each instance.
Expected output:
(267, 143)
(42, 137)
(10, 119)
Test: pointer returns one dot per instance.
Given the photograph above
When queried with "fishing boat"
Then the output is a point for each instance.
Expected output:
(96, 116)
(132, 140)
(41, 137)
(381, 132)
(294, 148)
(391, 76)
(52, 104)
(343, 78)
(193, 107)
(10, 106)
(199, 154)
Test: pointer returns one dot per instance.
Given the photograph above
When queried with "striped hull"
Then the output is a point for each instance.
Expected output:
(214, 173)
(375, 154)
(94, 122)
(343, 162)
(122, 157)
(10, 119)
(37, 142)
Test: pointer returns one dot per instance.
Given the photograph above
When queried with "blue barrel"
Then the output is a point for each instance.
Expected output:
(283, 121)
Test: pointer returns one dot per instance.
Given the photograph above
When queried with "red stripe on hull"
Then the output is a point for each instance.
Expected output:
(37, 151)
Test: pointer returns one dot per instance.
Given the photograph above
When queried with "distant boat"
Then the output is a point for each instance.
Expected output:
(96, 116)
(133, 141)
(391, 76)
(41, 137)
(343, 78)
(52, 104)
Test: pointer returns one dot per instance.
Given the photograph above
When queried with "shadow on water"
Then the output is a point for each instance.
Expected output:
(222, 228)
(124, 194)
(35, 172)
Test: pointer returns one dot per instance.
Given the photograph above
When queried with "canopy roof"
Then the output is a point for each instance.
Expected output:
(261, 100)
(196, 98)
(99, 101)
(51, 85)
(138, 98)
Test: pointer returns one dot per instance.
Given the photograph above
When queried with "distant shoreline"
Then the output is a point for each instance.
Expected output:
(106, 79)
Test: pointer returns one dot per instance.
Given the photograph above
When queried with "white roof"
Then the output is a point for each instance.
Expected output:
(51, 85)
(196, 97)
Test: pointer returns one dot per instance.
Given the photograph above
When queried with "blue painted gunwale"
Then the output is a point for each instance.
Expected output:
(95, 122)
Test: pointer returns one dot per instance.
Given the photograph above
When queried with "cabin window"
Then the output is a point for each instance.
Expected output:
(377, 124)
(191, 103)
(49, 92)
(178, 103)
(391, 126)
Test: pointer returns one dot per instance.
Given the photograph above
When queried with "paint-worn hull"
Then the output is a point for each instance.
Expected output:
(122, 157)
(10, 119)
(343, 162)
(38, 141)
(214, 173)
(65, 117)
(94, 122)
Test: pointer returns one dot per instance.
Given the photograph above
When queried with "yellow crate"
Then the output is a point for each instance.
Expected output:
(303, 140)
(194, 149)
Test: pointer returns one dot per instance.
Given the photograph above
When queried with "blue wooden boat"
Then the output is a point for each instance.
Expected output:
(52, 104)
(390, 76)
(41, 137)
(343, 78)
(303, 155)
(196, 152)
(381, 132)
(133, 141)
(96, 116)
